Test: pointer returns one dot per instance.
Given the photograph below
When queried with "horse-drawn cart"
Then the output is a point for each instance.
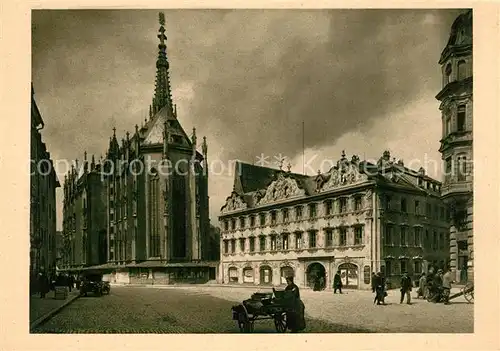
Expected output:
(266, 306)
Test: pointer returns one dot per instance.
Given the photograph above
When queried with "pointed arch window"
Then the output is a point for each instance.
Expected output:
(154, 227)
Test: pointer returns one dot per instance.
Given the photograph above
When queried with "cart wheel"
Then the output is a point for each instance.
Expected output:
(468, 291)
(280, 322)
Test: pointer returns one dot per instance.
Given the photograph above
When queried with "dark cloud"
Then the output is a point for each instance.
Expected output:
(255, 75)
(245, 78)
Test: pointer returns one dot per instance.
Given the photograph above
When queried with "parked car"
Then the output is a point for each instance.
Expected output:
(92, 283)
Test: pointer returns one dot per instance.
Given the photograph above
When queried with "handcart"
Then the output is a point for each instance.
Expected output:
(263, 306)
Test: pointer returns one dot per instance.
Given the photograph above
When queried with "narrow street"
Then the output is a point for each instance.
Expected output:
(208, 310)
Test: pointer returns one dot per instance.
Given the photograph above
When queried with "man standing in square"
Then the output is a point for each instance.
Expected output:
(406, 286)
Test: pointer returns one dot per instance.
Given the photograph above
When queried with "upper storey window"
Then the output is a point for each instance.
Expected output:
(447, 74)
(461, 118)
(461, 70)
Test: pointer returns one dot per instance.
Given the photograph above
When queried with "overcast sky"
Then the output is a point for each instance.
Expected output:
(360, 80)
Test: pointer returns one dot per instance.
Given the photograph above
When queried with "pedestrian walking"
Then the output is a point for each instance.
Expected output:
(447, 281)
(421, 292)
(380, 293)
(406, 285)
(374, 280)
(44, 284)
(337, 283)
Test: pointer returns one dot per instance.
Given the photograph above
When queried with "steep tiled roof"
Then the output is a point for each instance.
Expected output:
(251, 182)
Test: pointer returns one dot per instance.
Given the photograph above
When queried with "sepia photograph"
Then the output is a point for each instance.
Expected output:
(236, 171)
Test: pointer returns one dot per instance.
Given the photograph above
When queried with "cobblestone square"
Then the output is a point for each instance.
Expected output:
(200, 309)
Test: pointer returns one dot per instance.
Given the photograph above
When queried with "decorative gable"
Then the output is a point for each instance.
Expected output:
(345, 175)
(155, 133)
(280, 189)
(233, 203)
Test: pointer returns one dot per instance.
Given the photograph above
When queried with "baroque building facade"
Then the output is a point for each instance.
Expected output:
(43, 185)
(155, 194)
(357, 218)
(456, 144)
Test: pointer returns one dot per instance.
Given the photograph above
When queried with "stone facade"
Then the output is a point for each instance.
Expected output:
(154, 187)
(456, 144)
(358, 218)
(84, 224)
(43, 184)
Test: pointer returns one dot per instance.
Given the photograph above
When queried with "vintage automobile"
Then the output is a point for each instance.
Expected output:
(92, 283)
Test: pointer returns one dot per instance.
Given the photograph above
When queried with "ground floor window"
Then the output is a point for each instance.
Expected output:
(349, 275)
(233, 275)
(248, 275)
(286, 271)
(266, 275)
(417, 267)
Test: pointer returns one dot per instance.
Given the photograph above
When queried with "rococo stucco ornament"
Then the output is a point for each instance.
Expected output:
(343, 176)
(234, 202)
(280, 189)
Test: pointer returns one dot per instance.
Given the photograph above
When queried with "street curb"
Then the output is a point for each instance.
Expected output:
(52, 313)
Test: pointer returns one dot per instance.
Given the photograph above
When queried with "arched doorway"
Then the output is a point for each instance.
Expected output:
(316, 276)
(266, 275)
(248, 276)
(286, 271)
(233, 275)
(349, 275)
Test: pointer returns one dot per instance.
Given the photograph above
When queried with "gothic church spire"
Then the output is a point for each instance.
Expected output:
(163, 96)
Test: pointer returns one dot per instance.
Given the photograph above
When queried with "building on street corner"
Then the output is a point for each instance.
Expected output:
(43, 184)
(357, 218)
(84, 223)
(456, 144)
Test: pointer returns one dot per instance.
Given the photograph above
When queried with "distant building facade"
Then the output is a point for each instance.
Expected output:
(456, 144)
(84, 220)
(357, 218)
(43, 184)
(154, 189)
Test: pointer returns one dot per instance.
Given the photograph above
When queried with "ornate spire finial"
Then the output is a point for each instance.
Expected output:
(128, 135)
(162, 95)
(289, 167)
(204, 146)
(114, 132)
(85, 156)
(136, 129)
(343, 153)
